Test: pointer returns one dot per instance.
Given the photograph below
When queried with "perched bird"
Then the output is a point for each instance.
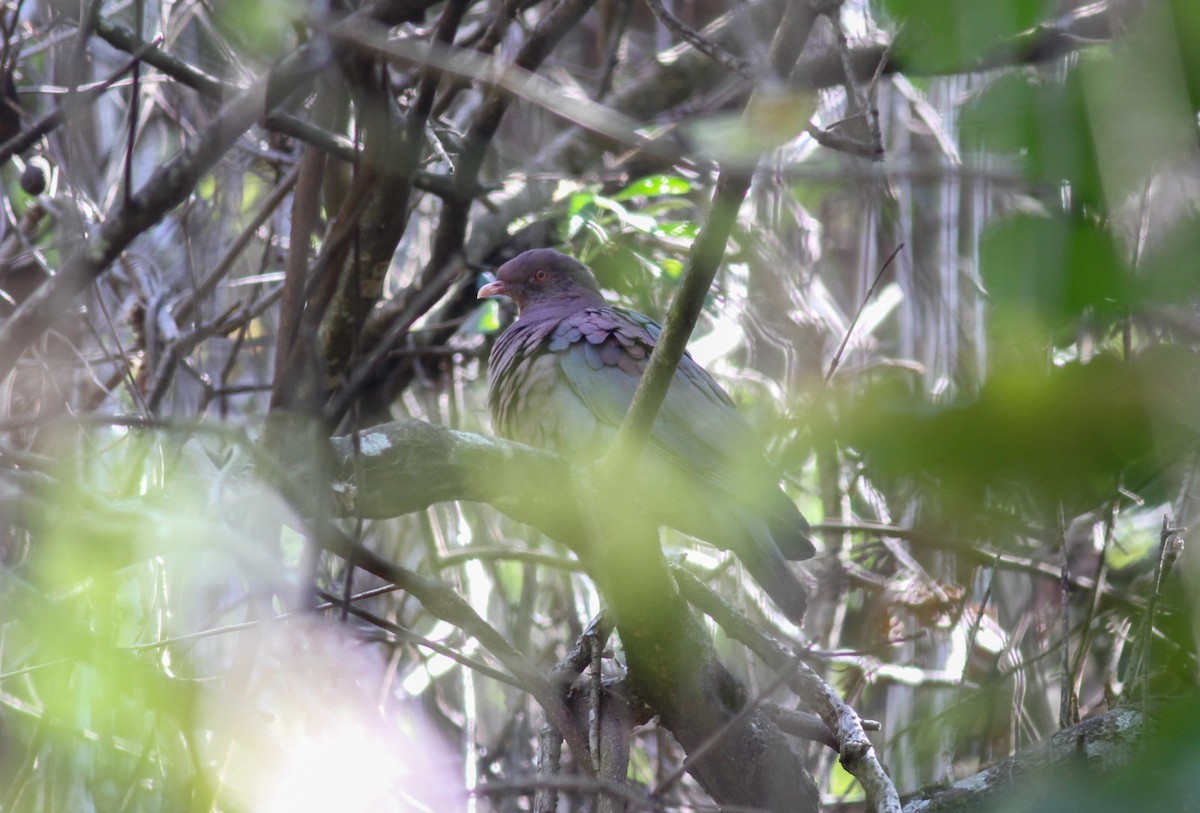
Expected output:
(561, 378)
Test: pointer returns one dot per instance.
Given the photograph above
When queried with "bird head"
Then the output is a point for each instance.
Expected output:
(544, 277)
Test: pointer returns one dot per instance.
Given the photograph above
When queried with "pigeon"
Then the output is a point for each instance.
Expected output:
(561, 378)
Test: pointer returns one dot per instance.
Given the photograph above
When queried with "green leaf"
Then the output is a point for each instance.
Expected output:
(254, 190)
(1137, 105)
(1182, 19)
(262, 27)
(1170, 271)
(672, 268)
(207, 187)
(653, 186)
(625, 270)
(666, 205)
(1073, 433)
(579, 202)
(843, 785)
(634, 220)
(1045, 127)
(944, 36)
(488, 320)
(1054, 268)
(686, 229)
(510, 575)
(1139, 534)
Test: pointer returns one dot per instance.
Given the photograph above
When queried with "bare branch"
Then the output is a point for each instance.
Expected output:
(166, 188)
(707, 252)
(710, 48)
(856, 752)
(1106, 742)
(441, 600)
(672, 663)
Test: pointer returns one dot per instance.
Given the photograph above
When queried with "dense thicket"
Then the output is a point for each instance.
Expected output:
(945, 256)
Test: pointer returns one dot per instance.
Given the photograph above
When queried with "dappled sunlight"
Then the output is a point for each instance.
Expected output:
(291, 520)
(312, 726)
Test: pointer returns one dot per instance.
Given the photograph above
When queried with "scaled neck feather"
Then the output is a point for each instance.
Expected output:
(560, 307)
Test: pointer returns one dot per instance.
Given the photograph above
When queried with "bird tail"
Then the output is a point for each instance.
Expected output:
(789, 528)
(766, 563)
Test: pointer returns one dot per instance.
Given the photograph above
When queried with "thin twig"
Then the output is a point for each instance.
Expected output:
(505, 81)
(167, 187)
(223, 266)
(593, 640)
(709, 48)
(978, 622)
(47, 123)
(330, 601)
(1068, 706)
(1110, 529)
(574, 784)
(613, 56)
(479, 553)
(1142, 662)
(837, 357)
(422, 301)
(442, 601)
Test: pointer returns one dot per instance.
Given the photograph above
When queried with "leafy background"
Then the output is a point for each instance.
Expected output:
(1015, 398)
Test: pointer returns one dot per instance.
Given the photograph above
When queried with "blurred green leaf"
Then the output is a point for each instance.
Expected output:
(254, 190)
(1054, 267)
(654, 186)
(510, 575)
(1073, 433)
(686, 229)
(579, 214)
(1137, 107)
(812, 194)
(1119, 114)
(487, 319)
(207, 188)
(622, 269)
(946, 35)
(843, 785)
(1137, 534)
(578, 202)
(1182, 19)
(262, 28)
(1045, 127)
(1170, 271)
(771, 120)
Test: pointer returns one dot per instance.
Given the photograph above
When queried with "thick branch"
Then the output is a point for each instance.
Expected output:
(407, 466)
(855, 751)
(393, 157)
(1104, 743)
(673, 667)
(707, 252)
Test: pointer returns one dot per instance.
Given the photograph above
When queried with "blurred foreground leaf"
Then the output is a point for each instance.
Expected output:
(1075, 433)
(947, 35)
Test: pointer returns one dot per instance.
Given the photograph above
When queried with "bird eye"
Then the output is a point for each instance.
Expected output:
(540, 275)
